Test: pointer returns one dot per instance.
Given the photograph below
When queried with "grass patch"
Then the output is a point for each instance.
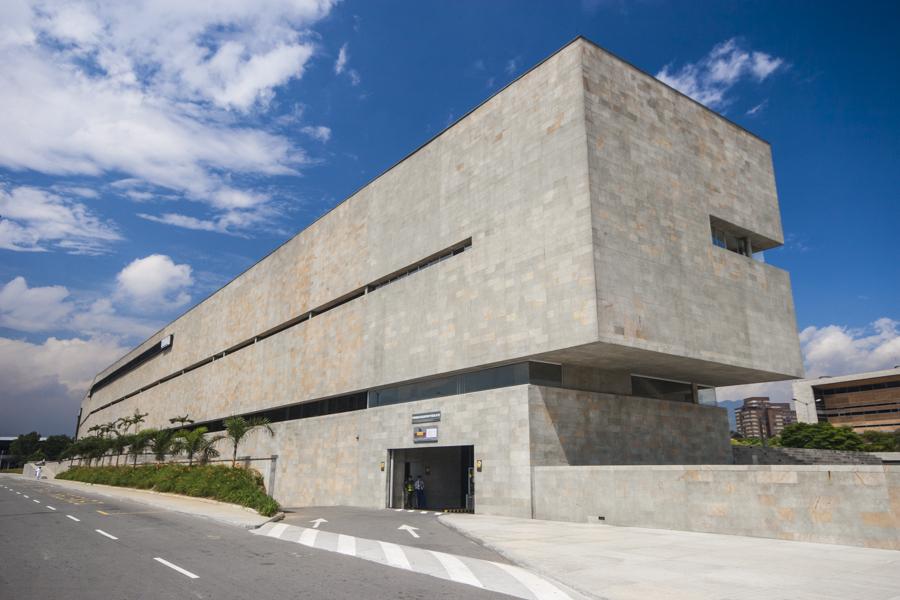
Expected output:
(237, 486)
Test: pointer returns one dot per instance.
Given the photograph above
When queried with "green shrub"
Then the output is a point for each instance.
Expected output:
(823, 436)
(233, 485)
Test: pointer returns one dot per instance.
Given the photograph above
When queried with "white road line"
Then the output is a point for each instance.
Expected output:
(19, 493)
(26, 495)
(101, 532)
(437, 514)
(38, 501)
(74, 518)
(346, 544)
(539, 587)
(176, 567)
(277, 530)
(308, 537)
(50, 507)
(410, 511)
(394, 555)
(456, 569)
(424, 512)
(398, 509)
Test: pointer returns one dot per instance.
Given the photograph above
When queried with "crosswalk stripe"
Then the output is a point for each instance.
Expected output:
(308, 537)
(539, 587)
(394, 555)
(456, 569)
(277, 530)
(346, 544)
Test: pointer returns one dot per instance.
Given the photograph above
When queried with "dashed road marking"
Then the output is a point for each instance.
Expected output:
(26, 495)
(176, 567)
(74, 518)
(50, 507)
(38, 501)
(105, 514)
(101, 532)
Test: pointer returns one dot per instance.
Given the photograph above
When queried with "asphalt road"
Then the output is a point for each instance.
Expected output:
(92, 547)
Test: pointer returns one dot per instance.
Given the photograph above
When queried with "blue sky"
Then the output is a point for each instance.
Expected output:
(151, 153)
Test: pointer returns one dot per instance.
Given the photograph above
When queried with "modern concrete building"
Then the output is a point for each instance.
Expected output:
(863, 401)
(760, 418)
(539, 284)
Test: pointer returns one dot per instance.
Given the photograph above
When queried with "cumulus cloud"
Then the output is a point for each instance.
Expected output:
(153, 90)
(33, 309)
(709, 80)
(318, 132)
(837, 350)
(35, 220)
(155, 282)
(43, 383)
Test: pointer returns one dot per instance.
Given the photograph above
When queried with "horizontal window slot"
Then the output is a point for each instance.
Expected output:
(428, 261)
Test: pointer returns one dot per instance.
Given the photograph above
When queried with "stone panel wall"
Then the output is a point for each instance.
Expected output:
(584, 428)
(757, 455)
(854, 505)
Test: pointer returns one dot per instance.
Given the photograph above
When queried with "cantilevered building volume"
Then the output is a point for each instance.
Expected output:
(555, 279)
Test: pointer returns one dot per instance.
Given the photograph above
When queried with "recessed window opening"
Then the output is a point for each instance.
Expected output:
(730, 241)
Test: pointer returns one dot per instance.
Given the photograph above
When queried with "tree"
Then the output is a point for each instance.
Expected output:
(139, 442)
(192, 441)
(237, 428)
(55, 445)
(118, 443)
(208, 450)
(25, 444)
(823, 436)
(163, 442)
(881, 441)
(181, 420)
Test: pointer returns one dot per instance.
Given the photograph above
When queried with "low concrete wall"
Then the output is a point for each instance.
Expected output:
(853, 505)
(759, 455)
(49, 470)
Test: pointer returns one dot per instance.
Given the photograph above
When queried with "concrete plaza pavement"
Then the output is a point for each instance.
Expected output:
(630, 563)
(58, 542)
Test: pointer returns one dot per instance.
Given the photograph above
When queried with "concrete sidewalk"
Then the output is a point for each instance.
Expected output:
(629, 563)
(222, 512)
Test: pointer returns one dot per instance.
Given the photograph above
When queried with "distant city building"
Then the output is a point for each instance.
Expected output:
(863, 401)
(759, 417)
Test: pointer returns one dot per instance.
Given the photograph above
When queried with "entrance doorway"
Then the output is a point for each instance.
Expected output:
(446, 471)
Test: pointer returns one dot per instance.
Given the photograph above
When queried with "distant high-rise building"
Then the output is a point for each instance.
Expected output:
(759, 417)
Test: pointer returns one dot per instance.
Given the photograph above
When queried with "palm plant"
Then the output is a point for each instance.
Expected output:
(237, 428)
(118, 444)
(139, 442)
(208, 450)
(192, 441)
(163, 442)
(185, 420)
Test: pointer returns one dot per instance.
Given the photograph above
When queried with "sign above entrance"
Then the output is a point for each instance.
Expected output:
(427, 417)
(423, 435)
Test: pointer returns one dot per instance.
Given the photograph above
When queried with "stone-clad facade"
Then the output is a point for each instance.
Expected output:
(571, 213)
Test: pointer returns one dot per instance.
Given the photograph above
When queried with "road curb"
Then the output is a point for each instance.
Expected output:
(277, 517)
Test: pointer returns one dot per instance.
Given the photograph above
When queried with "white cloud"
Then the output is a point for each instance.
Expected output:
(341, 63)
(34, 220)
(33, 309)
(756, 109)
(43, 384)
(318, 132)
(512, 65)
(155, 283)
(708, 80)
(837, 350)
(153, 90)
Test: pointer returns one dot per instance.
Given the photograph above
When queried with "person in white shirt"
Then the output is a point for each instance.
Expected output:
(37, 472)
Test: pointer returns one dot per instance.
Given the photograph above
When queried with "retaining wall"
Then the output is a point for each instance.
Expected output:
(759, 455)
(853, 505)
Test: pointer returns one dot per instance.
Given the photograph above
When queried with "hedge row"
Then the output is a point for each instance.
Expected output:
(234, 485)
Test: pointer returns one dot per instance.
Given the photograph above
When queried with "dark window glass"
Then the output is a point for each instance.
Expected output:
(497, 377)
(545, 374)
(661, 389)
(436, 388)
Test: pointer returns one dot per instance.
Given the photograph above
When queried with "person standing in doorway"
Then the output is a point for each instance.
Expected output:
(420, 492)
(410, 489)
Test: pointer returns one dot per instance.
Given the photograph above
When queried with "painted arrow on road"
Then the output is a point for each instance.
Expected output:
(318, 522)
(410, 530)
